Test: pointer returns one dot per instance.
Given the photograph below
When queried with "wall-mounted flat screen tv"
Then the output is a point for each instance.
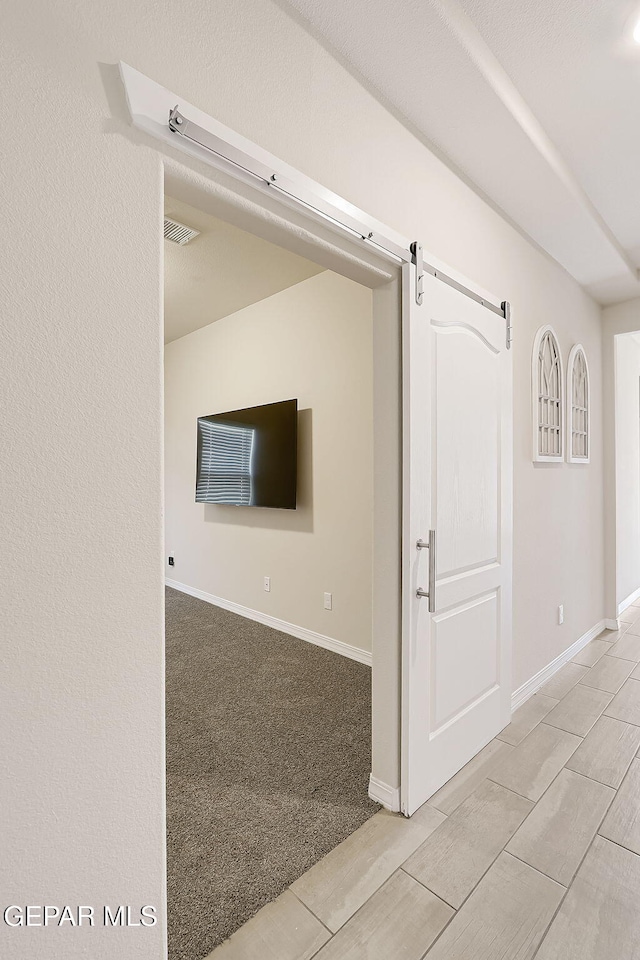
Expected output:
(249, 457)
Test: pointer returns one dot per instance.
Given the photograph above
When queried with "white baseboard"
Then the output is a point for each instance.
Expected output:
(337, 646)
(612, 624)
(622, 606)
(382, 793)
(527, 689)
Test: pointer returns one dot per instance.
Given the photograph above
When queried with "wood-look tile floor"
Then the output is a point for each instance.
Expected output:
(531, 850)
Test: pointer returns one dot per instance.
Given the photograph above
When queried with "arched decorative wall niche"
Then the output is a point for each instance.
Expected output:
(578, 407)
(547, 398)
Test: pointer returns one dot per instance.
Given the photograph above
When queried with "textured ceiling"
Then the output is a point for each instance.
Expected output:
(221, 271)
(537, 104)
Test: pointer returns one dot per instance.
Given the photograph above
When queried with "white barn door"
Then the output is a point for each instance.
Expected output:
(456, 683)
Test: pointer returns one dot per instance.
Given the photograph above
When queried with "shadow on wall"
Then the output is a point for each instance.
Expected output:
(300, 519)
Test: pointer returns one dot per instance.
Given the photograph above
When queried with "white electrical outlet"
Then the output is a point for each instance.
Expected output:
(267, 584)
(561, 614)
(328, 601)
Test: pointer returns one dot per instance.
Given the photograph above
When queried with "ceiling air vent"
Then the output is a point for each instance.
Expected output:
(178, 232)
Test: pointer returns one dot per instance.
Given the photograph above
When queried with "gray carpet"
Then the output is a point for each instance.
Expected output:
(268, 759)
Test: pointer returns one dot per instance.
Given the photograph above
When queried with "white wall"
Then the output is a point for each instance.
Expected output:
(312, 341)
(622, 457)
(627, 374)
(558, 508)
(81, 352)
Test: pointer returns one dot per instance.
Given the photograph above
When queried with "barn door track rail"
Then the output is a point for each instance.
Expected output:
(161, 113)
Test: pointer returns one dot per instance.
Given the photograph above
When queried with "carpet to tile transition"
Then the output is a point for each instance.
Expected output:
(268, 759)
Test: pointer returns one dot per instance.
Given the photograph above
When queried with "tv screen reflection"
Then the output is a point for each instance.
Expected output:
(248, 457)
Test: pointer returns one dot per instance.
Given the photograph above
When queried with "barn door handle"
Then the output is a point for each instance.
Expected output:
(429, 594)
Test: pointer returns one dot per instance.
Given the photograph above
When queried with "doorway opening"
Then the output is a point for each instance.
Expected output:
(270, 613)
(626, 366)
